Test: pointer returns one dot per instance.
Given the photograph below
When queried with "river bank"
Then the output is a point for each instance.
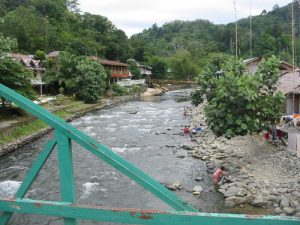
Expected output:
(66, 112)
(262, 175)
(13, 136)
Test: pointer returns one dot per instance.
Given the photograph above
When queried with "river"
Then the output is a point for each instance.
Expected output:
(144, 132)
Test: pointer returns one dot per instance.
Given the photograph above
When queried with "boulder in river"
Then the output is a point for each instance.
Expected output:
(197, 190)
(174, 186)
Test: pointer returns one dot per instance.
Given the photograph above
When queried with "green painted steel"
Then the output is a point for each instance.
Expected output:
(65, 163)
(133, 216)
(100, 150)
(31, 175)
(63, 135)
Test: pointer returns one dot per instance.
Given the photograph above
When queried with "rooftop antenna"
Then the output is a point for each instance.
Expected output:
(236, 36)
(250, 18)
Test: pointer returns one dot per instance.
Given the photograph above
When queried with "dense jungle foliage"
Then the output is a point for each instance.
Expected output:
(179, 49)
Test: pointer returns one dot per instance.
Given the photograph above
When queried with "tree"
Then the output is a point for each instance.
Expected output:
(207, 79)
(240, 104)
(91, 81)
(12, 73)
(159, 67)
(73, 5)
(7, 44)
(77, 75)
(134, 69)
(66, 71)
(183, 66)
(40, 55)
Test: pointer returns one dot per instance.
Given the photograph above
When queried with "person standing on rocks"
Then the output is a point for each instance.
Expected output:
(186, 131)
(217, 176)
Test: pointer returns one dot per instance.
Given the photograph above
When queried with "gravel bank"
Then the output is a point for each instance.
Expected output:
(263, 175)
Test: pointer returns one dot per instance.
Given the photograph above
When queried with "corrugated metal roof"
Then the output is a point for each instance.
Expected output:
(27, 60)
(109, 62)
(112, 63)
(247, 61)
(289, 83)
(53, 54)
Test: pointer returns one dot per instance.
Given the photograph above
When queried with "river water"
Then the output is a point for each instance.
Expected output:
(144, 132)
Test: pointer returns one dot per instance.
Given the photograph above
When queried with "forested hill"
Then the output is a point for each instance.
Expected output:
(182, 46)
(49, 25)
(195, 39)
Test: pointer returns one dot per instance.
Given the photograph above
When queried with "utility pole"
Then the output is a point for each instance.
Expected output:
(251, 55)
(236, 35)
(293, 53)
(46, 33)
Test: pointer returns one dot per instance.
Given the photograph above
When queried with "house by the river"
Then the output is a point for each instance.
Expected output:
(289, 83)
(33, 64)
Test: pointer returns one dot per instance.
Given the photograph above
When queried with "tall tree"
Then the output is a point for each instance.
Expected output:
(91, 81)
(12, 73)
(239, 103)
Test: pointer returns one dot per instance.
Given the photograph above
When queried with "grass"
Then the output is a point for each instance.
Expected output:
(30, 128)
(67, 107)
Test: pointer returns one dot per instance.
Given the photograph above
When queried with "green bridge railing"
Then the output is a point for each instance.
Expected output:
(64, 134)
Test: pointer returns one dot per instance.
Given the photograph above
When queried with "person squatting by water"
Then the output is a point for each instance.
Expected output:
(218, 176)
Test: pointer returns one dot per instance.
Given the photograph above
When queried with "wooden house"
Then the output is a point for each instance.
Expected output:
(289, 83)
(146, 71)
(118, 70)
(35, 65)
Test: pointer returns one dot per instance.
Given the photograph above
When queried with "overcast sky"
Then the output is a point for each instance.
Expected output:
(133, 16)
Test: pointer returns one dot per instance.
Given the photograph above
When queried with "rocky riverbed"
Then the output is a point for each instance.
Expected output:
(261, 174)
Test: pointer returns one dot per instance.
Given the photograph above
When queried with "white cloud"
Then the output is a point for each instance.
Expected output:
(133, 16)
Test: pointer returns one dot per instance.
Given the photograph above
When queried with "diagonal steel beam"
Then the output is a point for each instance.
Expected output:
(30, 177)
(98, 149)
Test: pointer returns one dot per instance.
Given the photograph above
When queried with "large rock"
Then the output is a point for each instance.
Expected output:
(197, 189)
(181, 154)
(284, 202)
(278, 210)
(241, 192)
(272, 198)
(152, 92)
(231, 191)
(229, 204)
(174, 186)
(188, 147)
(260, 202)
(236, 200)
(289, 211)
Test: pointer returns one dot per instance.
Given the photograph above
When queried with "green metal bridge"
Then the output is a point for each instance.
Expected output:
(67, 208)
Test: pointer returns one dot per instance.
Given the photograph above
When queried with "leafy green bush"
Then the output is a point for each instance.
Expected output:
(119, 90)
(40, 55)
(135, 89)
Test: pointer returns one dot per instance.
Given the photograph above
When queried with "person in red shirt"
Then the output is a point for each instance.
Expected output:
(186, 130)
(218, 176)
